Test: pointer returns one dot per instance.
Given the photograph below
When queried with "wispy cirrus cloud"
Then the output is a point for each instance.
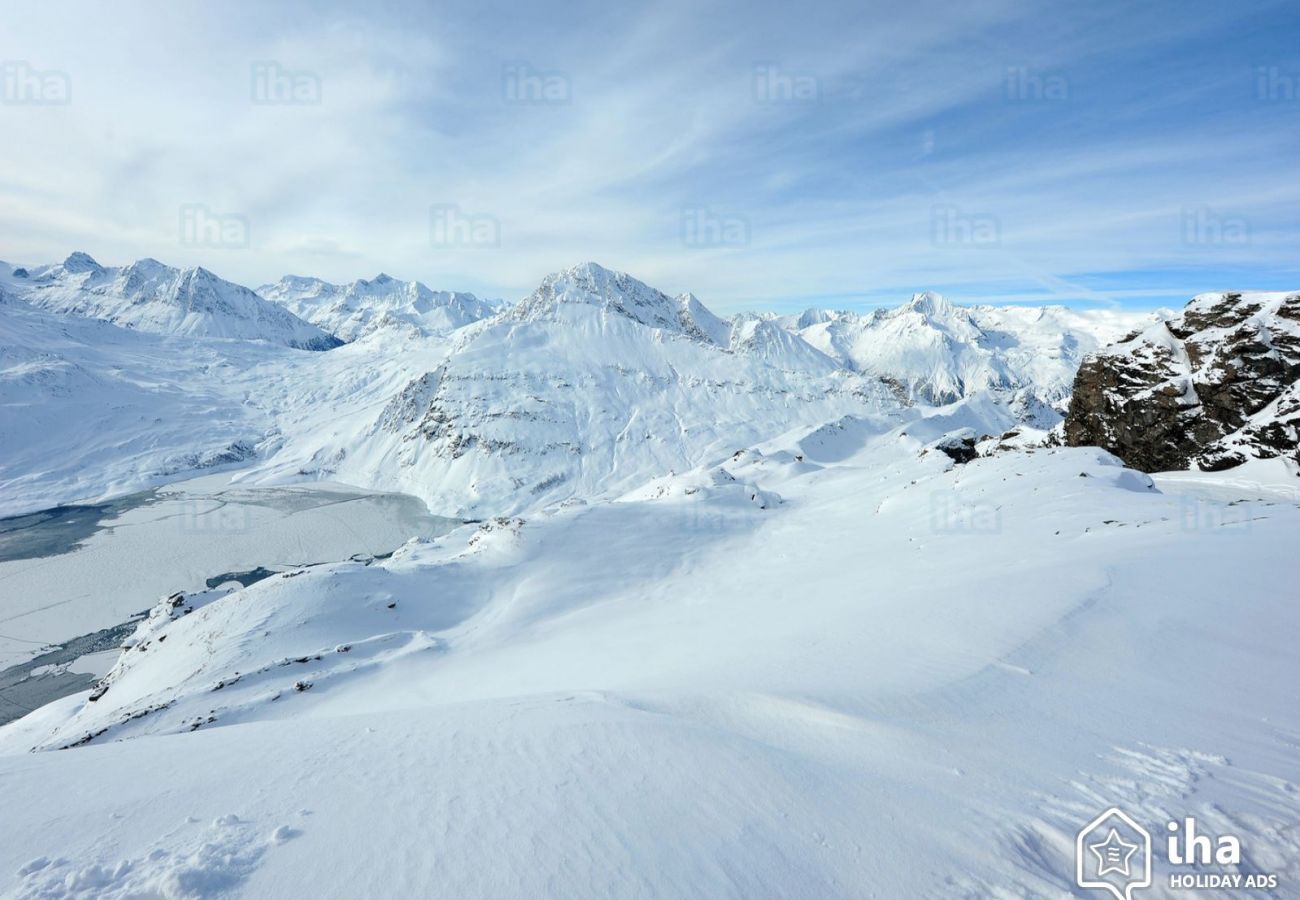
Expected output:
(758, 154)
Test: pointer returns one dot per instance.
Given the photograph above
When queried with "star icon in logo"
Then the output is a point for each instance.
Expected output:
(1124, 853)
(1113, 854)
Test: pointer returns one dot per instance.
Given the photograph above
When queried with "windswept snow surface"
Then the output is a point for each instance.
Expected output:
(734, 624)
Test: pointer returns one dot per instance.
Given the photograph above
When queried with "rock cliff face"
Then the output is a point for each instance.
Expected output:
(1208, 389)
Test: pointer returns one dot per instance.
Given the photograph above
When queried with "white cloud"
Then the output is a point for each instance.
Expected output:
(658, 114)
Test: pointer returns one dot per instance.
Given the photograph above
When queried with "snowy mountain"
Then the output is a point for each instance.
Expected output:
(592, 384)
(151, 297)
(763, 337)
(727, 577)
(587, 386)
(612, 293)
(938, 352)
(1212, 387)
(351, 311)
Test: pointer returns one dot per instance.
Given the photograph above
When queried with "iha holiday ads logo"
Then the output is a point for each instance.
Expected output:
(1113, 853)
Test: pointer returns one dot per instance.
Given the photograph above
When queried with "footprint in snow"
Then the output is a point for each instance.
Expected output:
(210, 862)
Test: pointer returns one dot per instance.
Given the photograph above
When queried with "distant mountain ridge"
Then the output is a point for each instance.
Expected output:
(938, 352)
(152, 297)
(362, 307)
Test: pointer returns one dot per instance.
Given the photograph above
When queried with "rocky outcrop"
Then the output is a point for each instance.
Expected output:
(1208, 389)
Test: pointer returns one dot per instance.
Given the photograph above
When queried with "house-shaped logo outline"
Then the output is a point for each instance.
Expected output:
(1080, 850)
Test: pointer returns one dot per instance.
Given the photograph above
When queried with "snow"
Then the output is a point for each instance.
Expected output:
(152, 297)
(361, 307)
(89, 410)
(587, 388)
(940, 352)
(840, 690)
(181, 536)
(196, 863)
(732, 625)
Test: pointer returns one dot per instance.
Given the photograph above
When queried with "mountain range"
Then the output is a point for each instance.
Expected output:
(155, 298)
(588, 385)
(747, 604)
(354, 310)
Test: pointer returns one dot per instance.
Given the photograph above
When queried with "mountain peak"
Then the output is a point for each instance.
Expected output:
(699, 321)
(591, 284)
(815, 316)
(80, 262)
(197, 275)
(593, 278)
(591, 269)
(930, 303)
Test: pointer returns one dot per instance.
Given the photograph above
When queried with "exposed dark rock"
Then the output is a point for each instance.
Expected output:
(959, 446)
(1213, 387)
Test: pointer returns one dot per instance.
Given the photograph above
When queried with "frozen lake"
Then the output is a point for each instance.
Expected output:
(71, 576)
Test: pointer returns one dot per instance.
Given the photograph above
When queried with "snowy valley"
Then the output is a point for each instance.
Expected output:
(835, 604)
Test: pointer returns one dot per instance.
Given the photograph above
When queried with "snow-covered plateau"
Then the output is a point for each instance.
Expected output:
(818, 606)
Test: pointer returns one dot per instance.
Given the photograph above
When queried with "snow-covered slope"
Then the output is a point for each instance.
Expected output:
(938, 352)
(766, 339)
(684, 693)
(352, 310)
(89, 410)
(590, 385)
(151, 297)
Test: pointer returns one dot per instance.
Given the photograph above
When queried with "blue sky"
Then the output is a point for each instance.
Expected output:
(763, 155)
